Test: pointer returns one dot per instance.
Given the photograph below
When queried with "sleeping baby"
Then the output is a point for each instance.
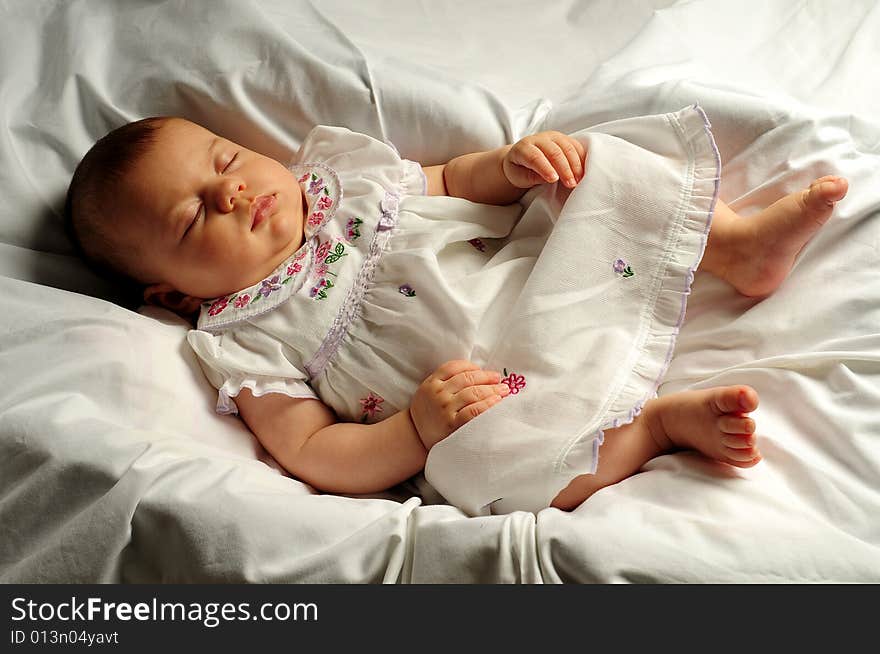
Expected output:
(503, 319)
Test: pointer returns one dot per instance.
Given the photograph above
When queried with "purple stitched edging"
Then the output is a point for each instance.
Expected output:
(352, 302)
(599, 439)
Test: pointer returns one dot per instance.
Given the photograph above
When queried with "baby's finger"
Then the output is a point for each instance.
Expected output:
(474, 394)
(530, 156)
(473, 377)
(575, 153)
(452, 368)
(471, 411)
(559, 160)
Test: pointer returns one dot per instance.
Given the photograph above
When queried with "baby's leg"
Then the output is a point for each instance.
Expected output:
(714, 422)
(756, 254)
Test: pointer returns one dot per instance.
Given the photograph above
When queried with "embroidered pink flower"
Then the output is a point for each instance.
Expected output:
(302, 179)
(242, 300)
(316, 218)
(371, 405)
(514, 382)
(269, 286)
(316, 186)
(353, 227)
(321, 270)
(317, 291)
(324, 203)
(294, 268)
(218, 306)
(322, 250)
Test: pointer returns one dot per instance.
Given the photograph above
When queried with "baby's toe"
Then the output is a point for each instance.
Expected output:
(746, 462)
(738, 441)
(736, 425)
(736, 399)
(742, 455)
(740, 449)
(825, 191)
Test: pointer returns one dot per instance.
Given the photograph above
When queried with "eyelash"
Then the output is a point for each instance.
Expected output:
(226, 167)
(195, 219)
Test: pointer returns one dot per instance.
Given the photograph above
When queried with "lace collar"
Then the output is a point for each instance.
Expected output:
(323, 193)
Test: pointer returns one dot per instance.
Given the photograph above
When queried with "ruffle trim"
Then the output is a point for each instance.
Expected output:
(232, 387)
(668, 314)
(414, 180)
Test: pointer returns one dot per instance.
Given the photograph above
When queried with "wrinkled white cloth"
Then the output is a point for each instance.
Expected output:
(578, 301)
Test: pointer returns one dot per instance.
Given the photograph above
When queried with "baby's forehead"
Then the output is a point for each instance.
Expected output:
(176, 131)
(175, 141)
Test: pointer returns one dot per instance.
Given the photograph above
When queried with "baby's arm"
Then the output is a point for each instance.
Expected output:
(501, 176)
(305, 438)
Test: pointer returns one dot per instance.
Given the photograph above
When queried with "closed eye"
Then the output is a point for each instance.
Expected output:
(200, 210)
(226, 167)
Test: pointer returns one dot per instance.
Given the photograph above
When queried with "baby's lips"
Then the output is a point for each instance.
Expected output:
(260, 208)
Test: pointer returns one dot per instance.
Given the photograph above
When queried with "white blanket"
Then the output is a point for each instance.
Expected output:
(112, 464)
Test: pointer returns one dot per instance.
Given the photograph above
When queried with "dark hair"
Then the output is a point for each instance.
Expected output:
(85, 221)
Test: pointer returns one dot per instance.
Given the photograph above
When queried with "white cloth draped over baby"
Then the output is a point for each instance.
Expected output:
(577, 296)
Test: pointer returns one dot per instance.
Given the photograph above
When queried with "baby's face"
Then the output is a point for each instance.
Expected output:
(212, 217)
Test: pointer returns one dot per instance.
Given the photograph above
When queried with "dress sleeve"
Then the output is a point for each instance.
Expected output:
(414, 181)
(237, 359)
(344, 150)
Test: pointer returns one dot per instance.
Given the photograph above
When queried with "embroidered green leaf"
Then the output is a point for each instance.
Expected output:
(336, 255)
(257, 298)
(287, 280)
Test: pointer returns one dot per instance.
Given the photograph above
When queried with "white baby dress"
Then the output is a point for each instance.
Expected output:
(576, 296)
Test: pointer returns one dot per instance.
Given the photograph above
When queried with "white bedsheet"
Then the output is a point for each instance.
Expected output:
(113, 466)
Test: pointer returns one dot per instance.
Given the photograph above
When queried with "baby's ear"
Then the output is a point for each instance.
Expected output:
(163, 295)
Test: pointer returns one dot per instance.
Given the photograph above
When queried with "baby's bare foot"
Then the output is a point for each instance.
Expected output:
(774, 237)
(714, 422)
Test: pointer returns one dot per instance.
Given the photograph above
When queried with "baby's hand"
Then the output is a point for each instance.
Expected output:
(452, 395)
(545, 157)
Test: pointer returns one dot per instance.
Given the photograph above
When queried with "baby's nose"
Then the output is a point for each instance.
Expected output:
(227, 193)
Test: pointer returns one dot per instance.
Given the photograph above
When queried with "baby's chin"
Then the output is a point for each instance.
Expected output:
(258, 274)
